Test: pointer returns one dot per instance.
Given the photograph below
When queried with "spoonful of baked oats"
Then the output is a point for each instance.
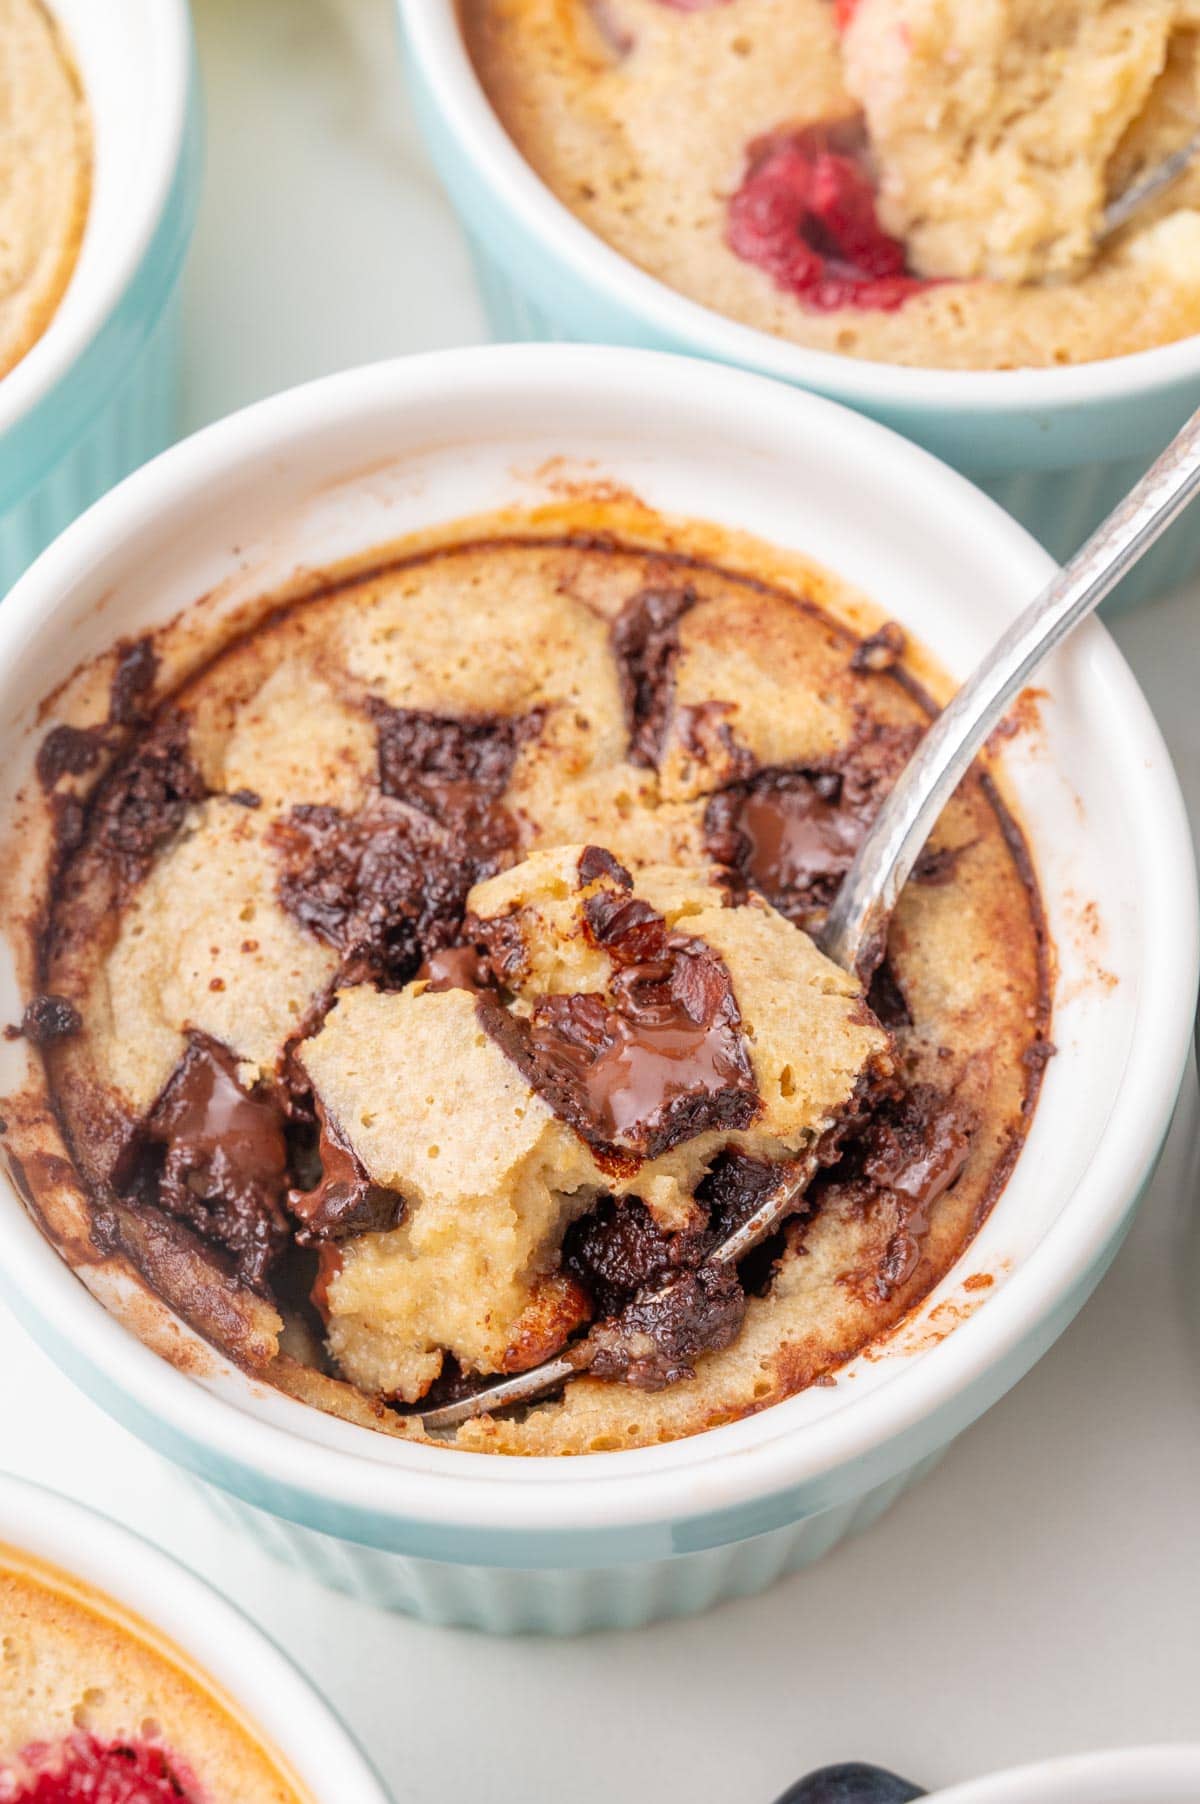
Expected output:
(667, 1056)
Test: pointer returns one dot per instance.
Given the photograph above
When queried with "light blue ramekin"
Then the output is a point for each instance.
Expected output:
(362, 460)
(1057, 448)
(96, 395)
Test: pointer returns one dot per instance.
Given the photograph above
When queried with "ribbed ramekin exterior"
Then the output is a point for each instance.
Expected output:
(554, 1600)
(116, 406)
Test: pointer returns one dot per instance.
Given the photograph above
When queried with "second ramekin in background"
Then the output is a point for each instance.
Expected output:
(368, 458)
(1158, 1775)
(1058, 448)
(278, 1708)
(95, 395)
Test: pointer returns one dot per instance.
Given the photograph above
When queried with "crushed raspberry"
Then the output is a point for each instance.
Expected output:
(805, 213)
(84, 1770)
(843, 12)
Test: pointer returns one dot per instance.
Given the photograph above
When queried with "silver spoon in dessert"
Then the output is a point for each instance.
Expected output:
(855, 932)
(1147, 188)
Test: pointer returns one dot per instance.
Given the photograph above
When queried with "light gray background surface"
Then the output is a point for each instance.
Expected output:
(1040, 1593)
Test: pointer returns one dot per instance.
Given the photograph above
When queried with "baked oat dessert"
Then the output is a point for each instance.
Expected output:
(94, 1706)
(914, 181)
(45, 173)
(426, 988)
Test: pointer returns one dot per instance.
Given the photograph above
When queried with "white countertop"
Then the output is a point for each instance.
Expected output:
(1040, 1593)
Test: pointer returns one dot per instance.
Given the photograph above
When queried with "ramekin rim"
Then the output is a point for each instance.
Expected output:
(436, 44)
(52, 1527)
(579, 1494)
(168, 37)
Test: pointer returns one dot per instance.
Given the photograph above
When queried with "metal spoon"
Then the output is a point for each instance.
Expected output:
(855, 932)
(1156, 181)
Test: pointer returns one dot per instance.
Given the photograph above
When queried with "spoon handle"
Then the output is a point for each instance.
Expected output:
(856, 929)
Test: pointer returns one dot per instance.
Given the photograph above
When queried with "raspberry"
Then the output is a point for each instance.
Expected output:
(843, 12)
(87, 1771)
(805, 213)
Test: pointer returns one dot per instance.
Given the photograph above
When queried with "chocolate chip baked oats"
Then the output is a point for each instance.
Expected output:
(427, 988)
(913, 181)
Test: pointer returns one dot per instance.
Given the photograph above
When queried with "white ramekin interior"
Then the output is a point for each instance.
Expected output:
(134, 60)
(292, 1718)
(439, 53)
(361, 459)
(1158, 1775)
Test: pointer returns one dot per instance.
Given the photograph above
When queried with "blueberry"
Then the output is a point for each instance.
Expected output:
(851, 1783)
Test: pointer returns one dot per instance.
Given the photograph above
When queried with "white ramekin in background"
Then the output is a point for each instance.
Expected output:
(291, 1718)
(1158, 1775)
(1056, 447)
(95, 396)
(362, 459)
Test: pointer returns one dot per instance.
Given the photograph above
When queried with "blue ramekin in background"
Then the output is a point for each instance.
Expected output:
(1057, 448)
(362, 460)
(95, 395)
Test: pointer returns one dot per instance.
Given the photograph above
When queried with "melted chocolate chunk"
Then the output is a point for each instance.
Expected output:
(657, 1338)
(344, 1201)
(144, 800)
(618, 1248)
(660, 1305)
(388, 887)
(909, 1154)
(67, 752)
(734, 1188)
(645, 638)
(658, 1060)
(501, 942)
(792, 834)
(457, 968)
(48, 1018)
(133, 681)
(385, 887)
(223, 1162)
(454, 769)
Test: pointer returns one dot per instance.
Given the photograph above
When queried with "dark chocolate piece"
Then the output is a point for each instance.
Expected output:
(48, 1018)
(223, 1167)
(657, 1338)
(344, 1201)
(67, 752)
(133, 681)
(385, 888)
(792, 834)
(388, 887)
(457, 968)
(144, 800)
(645, 638)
